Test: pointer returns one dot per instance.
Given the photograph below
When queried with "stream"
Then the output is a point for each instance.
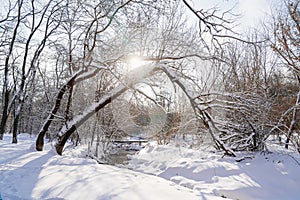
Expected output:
(120, 157)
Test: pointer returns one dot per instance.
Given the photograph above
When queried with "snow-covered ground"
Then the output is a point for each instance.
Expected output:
(161, 172)
(258, 176)
(27, 174)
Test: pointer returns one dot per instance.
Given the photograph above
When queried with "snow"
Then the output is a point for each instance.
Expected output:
(160, 172)
(28, 174)
(259, 176)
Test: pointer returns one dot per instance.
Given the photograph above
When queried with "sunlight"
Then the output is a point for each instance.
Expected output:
(135, 62)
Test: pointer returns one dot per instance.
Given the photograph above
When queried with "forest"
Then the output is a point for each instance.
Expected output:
(91, 72)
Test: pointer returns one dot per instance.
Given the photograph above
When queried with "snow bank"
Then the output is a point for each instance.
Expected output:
(264, 176)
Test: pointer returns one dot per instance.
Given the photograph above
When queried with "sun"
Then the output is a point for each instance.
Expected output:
(137, 67)
(135, 62)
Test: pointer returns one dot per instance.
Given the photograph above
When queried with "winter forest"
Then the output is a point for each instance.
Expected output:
(84, 80)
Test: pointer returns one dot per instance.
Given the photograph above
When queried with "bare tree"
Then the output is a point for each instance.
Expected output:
(32, 18)
(173, 50)
(94, 28)
(38, 18)
(285, 42)
(6, 85)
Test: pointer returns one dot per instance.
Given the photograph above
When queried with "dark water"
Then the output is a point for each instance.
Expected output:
(120, 158)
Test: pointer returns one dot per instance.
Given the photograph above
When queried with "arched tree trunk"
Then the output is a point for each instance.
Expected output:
(76, 78)
(205, 116)
(44, 129)
(67, 130)
(72, 125)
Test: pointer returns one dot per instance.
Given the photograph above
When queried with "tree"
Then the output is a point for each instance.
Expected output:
(32, 17)
(285, 42)
(6, 85)
(173, 54)
(247, 104)
(36, 23)
(94, 28)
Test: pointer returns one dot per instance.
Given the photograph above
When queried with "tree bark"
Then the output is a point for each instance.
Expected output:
(15, 128)
(4, 113)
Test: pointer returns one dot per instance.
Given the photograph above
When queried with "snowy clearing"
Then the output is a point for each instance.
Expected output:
(168, 172)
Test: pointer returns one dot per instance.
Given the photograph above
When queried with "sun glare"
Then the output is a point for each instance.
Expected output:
(135, 62)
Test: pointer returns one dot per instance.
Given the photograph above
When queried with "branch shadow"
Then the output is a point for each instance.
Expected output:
(16, 181)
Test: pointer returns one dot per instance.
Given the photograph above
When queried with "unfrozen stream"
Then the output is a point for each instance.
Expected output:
(120, 157)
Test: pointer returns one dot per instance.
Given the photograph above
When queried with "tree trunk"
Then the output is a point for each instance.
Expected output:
(68, 114)
(207, 119)
(4, 114)
(6, 92)
(71, 126)
(293, 122)
(15, 128)
(44, 129)
(77, 77)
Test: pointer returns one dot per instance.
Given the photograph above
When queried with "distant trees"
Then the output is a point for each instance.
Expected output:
(26, 30)
(104, 128)
(285, 42)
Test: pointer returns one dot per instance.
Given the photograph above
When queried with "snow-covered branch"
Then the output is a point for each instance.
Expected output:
(198, 109)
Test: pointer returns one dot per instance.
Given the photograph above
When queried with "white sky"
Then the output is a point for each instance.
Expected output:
(254, 10)
(251, 11)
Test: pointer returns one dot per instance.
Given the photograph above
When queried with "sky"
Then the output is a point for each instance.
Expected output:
(255, 10)
(251, 11)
